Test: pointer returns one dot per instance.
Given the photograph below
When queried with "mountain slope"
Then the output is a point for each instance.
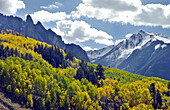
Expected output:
(97, 54)
(78, 51)
(31, 76)
(143, 53)
(122, 50)
(38, 32)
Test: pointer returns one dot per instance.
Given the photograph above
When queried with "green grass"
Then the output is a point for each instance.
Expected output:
(127, 77)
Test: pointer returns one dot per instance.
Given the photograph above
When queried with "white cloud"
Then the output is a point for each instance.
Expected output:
(58, 4)
(11, 6)
(72, 31)
(153, 15)
(74, 15)
(45, 16)
(115, 5)
(89, 48)
(52, 6)
(125, 11)
(111, 10)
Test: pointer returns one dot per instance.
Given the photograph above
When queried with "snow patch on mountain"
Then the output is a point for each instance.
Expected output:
(163, 46)
(118, 41)
(165, 40)
(160, 46)
(128, 51)
(159, 37)
(128, 35)
(154, 39)
(96, 54)
(157, 46)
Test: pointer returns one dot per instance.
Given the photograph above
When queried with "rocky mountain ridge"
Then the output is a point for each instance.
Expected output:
(38, 32)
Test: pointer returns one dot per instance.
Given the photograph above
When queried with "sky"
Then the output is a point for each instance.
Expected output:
(94, 24)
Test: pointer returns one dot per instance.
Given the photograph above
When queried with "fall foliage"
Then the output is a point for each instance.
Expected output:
(45, 77)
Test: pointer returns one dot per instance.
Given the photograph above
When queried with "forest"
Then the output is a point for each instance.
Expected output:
(44, 77)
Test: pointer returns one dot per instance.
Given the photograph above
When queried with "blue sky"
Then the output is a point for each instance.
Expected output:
(94, 24)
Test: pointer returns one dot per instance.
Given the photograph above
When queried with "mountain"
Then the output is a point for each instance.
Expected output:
(38, 32)
(143, 53)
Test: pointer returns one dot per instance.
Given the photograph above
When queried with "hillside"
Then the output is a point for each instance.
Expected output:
(42, 76)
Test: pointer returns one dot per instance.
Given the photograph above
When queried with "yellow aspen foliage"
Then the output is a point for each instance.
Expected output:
(125, 106)
(14, 81)
(142, 106)
(30, 86)
(21, 91)
(17, 93)
(25, 93)
(42, 105)
(29, 100)
(101, 82)
(9, 89)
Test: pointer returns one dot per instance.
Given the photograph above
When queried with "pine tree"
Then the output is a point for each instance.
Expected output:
(153, 94)
(168, 85)
(69, 56)
(100, 71)
(92, 76)
(159, 100)
(80, 74)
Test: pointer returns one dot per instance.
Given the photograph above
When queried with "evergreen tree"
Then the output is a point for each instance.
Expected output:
(100, 71)
(159, 100)
(69, 56)
(16, 52)
(153, 94)
(168, 85)
(80, 74)
(12, 51)
(91, 75)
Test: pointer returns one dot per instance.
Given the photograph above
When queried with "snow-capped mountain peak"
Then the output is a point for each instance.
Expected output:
(143, 53)
(136, 41)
